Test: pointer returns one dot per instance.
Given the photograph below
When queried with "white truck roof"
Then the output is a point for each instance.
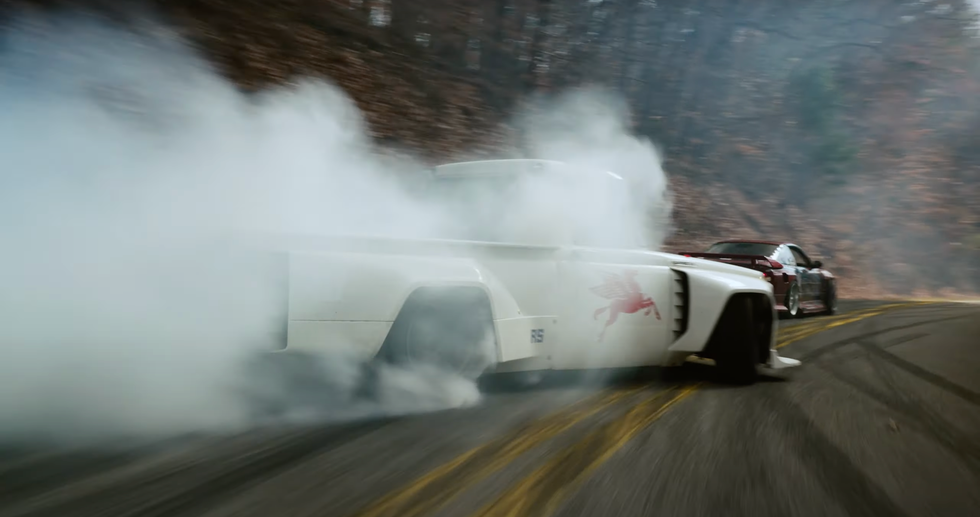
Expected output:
(490, 168)
(494, 168)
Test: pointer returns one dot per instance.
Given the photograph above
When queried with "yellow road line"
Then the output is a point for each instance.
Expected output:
(805, 330)
(433, 490)
(801, 327)
(947, 300)
(811, 331)
(430, 492)
(846, 319)
(541, 492)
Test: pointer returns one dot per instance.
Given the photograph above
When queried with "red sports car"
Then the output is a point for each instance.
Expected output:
(799, 284)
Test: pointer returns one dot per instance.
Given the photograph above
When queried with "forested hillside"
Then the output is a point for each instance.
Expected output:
(850, 128)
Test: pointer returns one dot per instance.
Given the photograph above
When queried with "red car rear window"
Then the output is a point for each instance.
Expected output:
(742, 248)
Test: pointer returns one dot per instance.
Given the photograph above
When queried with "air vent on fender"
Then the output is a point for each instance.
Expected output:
(681, 303)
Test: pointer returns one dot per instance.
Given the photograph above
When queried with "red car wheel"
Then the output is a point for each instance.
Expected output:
(793, 301)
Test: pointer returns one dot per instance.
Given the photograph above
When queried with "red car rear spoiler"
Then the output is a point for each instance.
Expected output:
(749, 261)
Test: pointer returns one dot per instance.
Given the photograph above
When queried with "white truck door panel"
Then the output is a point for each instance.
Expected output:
(613, 315)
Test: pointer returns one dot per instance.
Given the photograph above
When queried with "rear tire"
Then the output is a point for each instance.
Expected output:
(830, 297)
(736, 353)
(450, 329)
(512, 381)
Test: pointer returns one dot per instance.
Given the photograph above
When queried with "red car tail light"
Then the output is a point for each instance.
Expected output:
(768, 263)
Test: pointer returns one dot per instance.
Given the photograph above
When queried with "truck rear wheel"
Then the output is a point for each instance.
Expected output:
(450, 329)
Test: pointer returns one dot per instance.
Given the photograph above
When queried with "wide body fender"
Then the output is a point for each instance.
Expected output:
(708, 294)
(347, 302)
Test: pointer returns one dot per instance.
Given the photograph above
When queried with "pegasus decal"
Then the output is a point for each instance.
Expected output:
(626, 296)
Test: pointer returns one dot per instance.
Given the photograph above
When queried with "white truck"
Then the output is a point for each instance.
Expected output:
(483, 305)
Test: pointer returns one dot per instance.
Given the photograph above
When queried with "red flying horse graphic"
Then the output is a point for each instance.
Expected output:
(626, 298)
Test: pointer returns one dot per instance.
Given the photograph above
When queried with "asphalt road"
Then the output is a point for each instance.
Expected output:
(882, 419)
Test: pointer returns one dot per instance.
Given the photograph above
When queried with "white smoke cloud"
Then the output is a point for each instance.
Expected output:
(589, 131)
(124, 156)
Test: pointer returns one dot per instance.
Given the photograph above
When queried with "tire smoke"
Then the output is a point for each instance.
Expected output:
(125, 158)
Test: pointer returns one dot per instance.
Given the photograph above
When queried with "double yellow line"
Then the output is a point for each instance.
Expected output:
(542, 491)
(432, 491)
(805, 330)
